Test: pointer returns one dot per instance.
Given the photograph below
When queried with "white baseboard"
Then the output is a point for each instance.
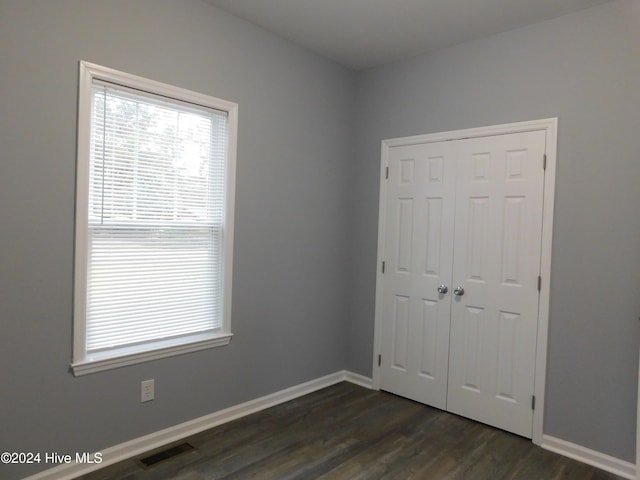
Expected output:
(134, 447)
(358, 379)
(590, 457)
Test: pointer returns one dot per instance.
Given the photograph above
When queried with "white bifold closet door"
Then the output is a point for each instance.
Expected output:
(460, 290)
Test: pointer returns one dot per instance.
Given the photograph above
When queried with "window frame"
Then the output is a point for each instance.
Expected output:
(82, 363)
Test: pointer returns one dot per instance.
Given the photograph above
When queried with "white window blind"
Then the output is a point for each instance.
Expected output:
(155, 222)
(155, 234)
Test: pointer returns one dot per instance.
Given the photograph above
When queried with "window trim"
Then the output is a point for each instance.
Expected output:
(82, 363)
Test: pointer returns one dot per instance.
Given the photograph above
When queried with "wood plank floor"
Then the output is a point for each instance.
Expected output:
(346, 432)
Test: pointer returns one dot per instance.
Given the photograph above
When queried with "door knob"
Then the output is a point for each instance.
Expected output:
(443, 288)
(459, 291)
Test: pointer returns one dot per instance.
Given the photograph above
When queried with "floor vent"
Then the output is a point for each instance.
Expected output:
(163, 455)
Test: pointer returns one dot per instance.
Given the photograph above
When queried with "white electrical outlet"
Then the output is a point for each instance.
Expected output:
(147, 390)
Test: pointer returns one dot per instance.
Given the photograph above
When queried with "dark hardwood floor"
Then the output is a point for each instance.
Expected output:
(346, 432)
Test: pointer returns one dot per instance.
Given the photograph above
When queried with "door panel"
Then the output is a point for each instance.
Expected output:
(498, 229)
(420, 214)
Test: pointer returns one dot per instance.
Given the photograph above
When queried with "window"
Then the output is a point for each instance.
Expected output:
(154, 220)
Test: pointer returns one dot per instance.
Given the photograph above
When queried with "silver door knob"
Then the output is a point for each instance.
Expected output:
(443, 288)
(459, 291)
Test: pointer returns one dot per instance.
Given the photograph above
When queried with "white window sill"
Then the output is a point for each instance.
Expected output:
(97, 363)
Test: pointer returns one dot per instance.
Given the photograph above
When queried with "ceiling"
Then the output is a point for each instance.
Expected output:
(365, 33)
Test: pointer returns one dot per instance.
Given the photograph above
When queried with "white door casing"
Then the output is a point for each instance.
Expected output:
(511, 214)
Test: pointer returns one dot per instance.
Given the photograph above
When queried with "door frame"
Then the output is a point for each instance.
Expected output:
(550, 126)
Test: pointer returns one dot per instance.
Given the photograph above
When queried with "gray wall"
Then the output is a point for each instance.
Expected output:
(584, 69)
(290, 299)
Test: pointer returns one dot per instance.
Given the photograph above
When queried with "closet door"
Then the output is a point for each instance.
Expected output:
(496, 264)
(419, 219)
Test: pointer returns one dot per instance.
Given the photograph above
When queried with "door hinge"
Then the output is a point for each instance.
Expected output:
(383, 265)
(386, 175)
(533, 402)
(544, 161)
(539, 283)
(379, 360)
